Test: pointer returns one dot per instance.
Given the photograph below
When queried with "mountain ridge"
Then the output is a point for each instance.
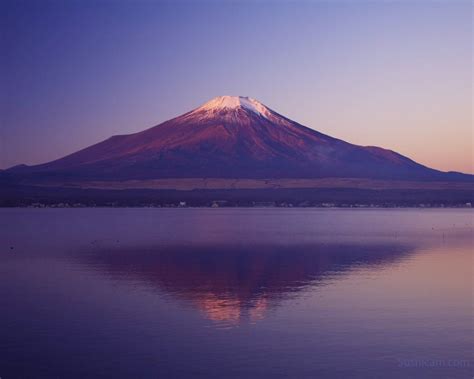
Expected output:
(231, 137)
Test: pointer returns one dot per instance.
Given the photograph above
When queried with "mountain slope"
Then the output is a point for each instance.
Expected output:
(231, 137)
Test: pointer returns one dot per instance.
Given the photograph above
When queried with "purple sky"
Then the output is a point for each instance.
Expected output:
(392, 74)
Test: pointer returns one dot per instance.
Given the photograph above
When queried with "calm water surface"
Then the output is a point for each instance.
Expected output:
(236, 293)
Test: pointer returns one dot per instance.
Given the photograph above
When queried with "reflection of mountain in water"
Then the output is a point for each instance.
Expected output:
(236, 283)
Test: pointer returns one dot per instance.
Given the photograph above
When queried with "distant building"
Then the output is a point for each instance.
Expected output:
(219, 203)
(328, 205)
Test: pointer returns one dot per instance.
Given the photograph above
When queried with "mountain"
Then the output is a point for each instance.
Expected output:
(230, 137)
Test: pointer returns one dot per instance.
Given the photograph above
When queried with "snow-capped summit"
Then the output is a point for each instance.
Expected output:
(234, 102)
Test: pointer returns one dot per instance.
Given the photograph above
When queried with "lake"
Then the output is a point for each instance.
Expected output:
(236, 293)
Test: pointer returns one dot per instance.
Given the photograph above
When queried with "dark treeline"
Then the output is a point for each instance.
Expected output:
(17, 196)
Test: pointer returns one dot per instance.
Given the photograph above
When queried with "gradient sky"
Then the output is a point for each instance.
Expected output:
(392, 74)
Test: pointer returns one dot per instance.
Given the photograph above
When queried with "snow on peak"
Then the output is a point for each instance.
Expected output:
(234, 102)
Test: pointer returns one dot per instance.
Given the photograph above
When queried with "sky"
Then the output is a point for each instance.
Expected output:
(395, 74)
